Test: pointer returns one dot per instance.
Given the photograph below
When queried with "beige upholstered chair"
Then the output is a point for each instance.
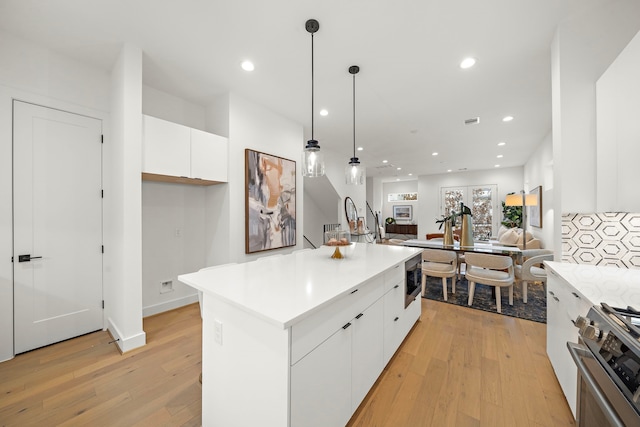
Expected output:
(493, 270)
(439, 263)
(530, 270)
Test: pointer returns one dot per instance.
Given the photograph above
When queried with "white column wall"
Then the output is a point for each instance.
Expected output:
(618, 132)
(582, 49)
(123, 205)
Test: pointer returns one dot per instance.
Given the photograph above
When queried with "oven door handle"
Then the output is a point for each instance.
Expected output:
(577, 352)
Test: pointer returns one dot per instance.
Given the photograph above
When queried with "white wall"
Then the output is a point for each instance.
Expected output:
(507, 179)
(335, 164)
(123, 204)
(582, 49)
(165, 106)
(255, 127)
(34, 74)
(618, 133)
(399, 187)
(538, 171)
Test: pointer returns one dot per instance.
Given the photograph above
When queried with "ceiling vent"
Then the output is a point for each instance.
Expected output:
(473, 121)
(386, 166)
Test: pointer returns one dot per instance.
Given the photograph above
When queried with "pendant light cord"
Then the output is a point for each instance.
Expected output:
(312, 94)
(354, 115)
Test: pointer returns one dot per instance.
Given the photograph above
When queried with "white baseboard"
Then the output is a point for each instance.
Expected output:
(169, 305)
(129, 343)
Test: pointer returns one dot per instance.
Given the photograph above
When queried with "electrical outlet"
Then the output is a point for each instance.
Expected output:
(166, 286)
(217, 331)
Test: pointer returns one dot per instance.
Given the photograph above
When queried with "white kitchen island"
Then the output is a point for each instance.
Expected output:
(298, 340)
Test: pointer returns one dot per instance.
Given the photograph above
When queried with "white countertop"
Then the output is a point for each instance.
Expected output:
(618, 287)
(284, 289)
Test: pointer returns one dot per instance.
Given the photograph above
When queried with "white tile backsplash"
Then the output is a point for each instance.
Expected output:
(605, 239)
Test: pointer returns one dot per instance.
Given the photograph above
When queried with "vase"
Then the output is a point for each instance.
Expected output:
(466, 239)
(447, 239)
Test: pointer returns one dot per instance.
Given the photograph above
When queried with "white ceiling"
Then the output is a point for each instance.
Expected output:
(412, 97)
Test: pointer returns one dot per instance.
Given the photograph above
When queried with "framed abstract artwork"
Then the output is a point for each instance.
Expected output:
(535, 212)
(270, 202)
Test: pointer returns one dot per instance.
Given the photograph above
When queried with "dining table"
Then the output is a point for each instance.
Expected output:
(486, 247)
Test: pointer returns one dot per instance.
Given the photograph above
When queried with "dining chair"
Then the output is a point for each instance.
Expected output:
(493, 270)
(531, 269)
(439, 263)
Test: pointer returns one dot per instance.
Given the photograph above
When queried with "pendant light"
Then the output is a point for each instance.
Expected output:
(312, 157)
(354, 172)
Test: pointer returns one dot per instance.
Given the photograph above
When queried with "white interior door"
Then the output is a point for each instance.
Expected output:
(57, 214)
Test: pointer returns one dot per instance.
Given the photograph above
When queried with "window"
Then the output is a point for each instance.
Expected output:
(480, 199)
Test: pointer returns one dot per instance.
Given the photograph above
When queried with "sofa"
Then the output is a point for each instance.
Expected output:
(513, 237)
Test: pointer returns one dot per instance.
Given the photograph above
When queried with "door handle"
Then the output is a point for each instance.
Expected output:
(27, 258)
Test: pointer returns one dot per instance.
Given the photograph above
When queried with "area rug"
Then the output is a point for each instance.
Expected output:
(535, 309)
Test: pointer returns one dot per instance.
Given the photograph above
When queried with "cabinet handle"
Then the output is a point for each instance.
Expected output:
(396, 319)
(354, 291)
(575, 295)
(556, 298)
(359, 315)
(551, 293)
(396, 286)
(346, 326)
(397, 266)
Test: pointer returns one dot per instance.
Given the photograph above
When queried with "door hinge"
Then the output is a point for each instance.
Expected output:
(102, 248)
(101, 139)
(102, 194)
(102, 303)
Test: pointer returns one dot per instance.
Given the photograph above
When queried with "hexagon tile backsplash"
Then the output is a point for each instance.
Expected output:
(607, 239)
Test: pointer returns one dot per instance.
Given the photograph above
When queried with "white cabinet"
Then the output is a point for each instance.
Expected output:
(176, 153)
(321, 384)
(564, 305)
(366, 351)
(393, 320)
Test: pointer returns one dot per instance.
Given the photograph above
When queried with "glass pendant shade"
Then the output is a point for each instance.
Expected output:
(312, 160)
(354, 173)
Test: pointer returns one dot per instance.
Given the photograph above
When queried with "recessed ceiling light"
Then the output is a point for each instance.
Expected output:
(247, 66)
(434, 153)
(499, 156)
(385, 161)
(496, 166)
(324, 112)
(507, 118)
(501, 144)
(397, 179)
(468, 63)
(399, 169)
(410, 174)
(448, 170)
(360, 148)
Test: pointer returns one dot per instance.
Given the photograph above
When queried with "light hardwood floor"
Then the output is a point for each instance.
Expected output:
(458, 367)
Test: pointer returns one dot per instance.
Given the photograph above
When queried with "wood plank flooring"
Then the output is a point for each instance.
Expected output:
(458, 367)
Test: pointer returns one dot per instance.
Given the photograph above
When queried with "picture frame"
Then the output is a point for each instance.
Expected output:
(535, 212)
(270, 202)
(403, 212)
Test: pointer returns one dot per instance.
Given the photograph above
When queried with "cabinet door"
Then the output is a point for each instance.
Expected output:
(393, 320)
(321, 384)
(367, 351)
(165, 148)
(560, 330)
(209, 156)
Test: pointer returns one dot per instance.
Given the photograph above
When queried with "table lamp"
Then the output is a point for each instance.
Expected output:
(523, 200)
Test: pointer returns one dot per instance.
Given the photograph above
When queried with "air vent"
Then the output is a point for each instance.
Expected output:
(473, 121)
(387, 166)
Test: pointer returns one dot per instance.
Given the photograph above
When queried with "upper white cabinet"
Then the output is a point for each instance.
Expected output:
(177, 153)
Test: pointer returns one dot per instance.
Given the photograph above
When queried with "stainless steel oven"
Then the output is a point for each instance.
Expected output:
(412, 282)
(608, 362)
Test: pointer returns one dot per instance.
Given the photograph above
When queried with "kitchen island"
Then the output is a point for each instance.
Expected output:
(299, 339)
